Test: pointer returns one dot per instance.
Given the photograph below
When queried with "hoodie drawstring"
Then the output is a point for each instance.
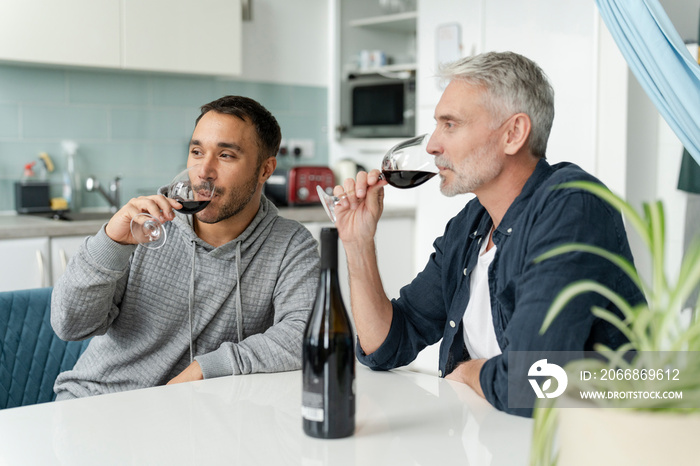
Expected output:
(191, 299)
(239, 310)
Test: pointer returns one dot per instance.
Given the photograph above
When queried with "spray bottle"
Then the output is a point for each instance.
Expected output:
(71, 176)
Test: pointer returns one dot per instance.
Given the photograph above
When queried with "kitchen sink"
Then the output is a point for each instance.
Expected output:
(82, 216)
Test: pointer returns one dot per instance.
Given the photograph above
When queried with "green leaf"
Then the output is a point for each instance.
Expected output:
(655, 215)
(616, 202)
(577, 288)
(689, 276)
(545, 419)
(626, 266)
(614, 320)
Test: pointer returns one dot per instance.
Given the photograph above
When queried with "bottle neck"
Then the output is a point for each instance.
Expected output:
(329, 249)
(329, 258)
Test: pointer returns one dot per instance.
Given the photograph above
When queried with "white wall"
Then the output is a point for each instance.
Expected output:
(286, 42)
(611, 115)
(560, 37)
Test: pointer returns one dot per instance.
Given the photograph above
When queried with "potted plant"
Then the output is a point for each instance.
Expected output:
(660, 357)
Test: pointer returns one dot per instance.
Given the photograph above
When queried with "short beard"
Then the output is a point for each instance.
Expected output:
(235, 202)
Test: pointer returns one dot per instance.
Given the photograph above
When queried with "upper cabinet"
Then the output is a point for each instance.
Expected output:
(184, 36)
(148, 35)
(70, 32)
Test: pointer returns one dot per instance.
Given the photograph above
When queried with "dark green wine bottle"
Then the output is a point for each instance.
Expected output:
(328, 371)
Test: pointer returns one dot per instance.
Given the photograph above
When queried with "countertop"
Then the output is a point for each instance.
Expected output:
(13, 226)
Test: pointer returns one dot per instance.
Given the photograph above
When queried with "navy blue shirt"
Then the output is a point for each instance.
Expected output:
(432, 306)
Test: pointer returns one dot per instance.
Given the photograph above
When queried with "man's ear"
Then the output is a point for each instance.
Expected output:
(518, 133)
(267, 168)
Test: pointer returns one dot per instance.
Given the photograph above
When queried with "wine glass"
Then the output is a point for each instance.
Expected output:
(193, 193)
(406, 165)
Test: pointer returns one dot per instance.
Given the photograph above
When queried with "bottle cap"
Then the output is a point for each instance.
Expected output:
(329, 232)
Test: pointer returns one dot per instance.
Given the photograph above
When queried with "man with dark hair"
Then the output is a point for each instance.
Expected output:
(482, 292)
(228, 293)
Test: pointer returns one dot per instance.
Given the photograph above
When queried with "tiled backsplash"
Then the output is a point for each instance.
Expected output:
(133, 125)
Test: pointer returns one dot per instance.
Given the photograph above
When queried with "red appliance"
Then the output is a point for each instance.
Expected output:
(297, 185)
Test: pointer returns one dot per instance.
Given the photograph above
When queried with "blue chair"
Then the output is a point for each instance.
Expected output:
(31, 355)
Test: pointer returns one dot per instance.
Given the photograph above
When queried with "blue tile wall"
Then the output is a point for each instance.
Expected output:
(133, 125)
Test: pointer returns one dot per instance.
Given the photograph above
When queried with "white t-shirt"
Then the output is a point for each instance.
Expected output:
(479, 334)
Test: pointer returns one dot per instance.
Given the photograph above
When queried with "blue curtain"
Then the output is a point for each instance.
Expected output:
(661, 63)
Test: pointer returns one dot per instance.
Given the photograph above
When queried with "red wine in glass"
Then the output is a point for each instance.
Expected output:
(406, 165)
(192, 207)
(405, 179)
(193, 192)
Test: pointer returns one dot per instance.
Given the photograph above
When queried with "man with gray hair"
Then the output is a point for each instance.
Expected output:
(481, 291)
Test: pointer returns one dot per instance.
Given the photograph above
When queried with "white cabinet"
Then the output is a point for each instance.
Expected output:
(149, 35)
(394, 243)
(188, 36)
(62, 249)
(25, 264)
(35, 262)
(69, 32)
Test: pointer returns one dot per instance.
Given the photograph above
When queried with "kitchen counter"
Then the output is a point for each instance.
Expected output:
(14, 226)
(30, 226)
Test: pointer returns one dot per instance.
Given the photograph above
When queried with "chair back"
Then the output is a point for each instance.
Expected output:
(31, 355)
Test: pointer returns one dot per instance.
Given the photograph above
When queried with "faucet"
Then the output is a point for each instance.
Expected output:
(92, 184)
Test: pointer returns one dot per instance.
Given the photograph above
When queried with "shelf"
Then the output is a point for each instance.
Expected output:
(388, 70)
(399, 22)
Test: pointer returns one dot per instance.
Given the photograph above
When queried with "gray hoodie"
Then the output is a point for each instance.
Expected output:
(238, 309)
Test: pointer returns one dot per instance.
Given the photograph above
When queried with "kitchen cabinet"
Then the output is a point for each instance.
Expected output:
(394, 243)
(62, 249)
(69, 32)
(145, 35)
(177, 36)
(25, 263)
(35, 262)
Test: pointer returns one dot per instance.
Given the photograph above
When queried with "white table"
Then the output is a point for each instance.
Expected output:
(403, 418)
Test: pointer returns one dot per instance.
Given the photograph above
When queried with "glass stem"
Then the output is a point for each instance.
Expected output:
(337, 199)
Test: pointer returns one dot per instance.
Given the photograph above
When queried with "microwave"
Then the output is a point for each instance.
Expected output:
(379, 107)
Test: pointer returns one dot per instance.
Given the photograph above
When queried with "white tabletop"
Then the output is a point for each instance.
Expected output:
(403, 418)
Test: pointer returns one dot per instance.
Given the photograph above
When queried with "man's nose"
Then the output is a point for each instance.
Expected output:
(433, 147)
(206, 169)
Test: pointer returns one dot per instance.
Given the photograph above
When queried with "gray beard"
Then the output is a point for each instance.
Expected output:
(482, 168)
